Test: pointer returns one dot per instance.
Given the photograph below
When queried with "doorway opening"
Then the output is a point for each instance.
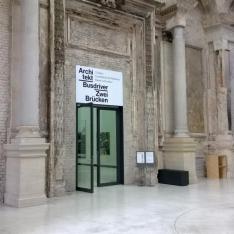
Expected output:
(99, 146)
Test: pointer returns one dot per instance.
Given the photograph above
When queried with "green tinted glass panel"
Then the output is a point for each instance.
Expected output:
(108, 146)
(84, 176)
(108, 175)
(84, 135)
(84, 149)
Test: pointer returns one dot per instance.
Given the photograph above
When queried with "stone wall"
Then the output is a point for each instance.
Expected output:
(197, 73)
(56, 182)
(92, 42)
(112, 41)
(197, 76)
(195, 90)
(4, 84)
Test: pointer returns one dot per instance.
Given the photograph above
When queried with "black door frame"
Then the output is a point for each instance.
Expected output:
(99, 166)
(91, 190)
(119, 144)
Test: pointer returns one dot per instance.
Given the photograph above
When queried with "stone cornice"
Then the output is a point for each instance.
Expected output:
(218, 19)
(220, 44)
(118, 3)
(172, 15)
(112, 3)
(232, 5)
(204, 4)
(167, 12)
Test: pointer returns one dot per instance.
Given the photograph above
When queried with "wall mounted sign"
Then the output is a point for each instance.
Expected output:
(149, 157)
(140, 157)
(145, 158)
(98, 86)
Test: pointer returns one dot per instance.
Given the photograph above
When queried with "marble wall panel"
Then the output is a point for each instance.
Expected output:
(195, 90)
(44, 80)
(93, 35)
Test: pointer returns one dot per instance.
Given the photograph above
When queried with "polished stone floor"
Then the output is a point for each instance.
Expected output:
(206, 208)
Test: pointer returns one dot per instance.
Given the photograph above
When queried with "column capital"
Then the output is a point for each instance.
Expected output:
(176, 21)
(220, 44)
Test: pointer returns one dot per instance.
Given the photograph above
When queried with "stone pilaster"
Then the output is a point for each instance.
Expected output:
(179, 150)
(221, 142)
(57, 103)
(26, 154)
(220, 49)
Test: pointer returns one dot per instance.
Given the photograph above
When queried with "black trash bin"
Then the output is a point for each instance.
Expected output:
(173, 177)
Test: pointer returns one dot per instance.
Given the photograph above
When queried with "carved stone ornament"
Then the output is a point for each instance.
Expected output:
(112, 3)
(108, 3)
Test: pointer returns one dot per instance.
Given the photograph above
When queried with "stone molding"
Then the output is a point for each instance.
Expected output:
(180, 144)
(27, 132)
(168, 10)
(218, 19)
(55, 168)
(205, 4)
(232, 5)
(112, 3)
(25, 176)
(223, 145)
(179, 154)
(220, 142)
(221, 45)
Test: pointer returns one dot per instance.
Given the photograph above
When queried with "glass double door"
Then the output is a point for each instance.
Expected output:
(98, 147)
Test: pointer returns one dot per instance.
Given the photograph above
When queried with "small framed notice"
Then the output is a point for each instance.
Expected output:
(140, 157)
(149, 157)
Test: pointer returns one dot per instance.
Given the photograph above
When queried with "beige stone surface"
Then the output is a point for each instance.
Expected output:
(44, 75)
(179, 154)
(103, 49)
(195, 90)
(25, 171)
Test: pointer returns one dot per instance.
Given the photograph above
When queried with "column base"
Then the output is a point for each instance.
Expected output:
(20, 202)
(25, 170)
(179, 154)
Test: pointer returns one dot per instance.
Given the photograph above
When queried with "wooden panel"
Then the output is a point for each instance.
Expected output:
(222, 166)
(212, 167)
(216, 166)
